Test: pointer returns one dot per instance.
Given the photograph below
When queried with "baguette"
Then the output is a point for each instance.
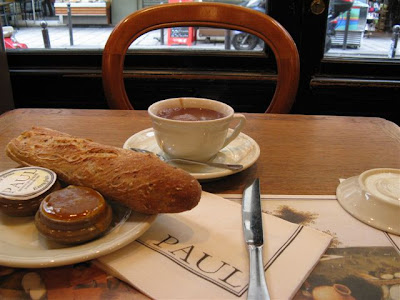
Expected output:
(140, 181)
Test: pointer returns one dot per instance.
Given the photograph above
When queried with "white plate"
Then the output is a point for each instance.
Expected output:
(22, 246)
(378, 204)
(243, 150)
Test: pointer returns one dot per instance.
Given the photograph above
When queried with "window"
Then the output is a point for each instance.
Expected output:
(362, 29)
(355, 84)
(338, 80)
(86, 24)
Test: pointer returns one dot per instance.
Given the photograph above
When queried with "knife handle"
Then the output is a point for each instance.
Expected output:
(257, 286)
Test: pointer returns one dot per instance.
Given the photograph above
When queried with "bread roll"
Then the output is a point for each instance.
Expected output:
(140, 181)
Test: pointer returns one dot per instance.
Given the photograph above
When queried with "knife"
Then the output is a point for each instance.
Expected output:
(253, 235)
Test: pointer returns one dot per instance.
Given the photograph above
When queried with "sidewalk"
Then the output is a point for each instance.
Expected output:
(83, 37)
(376, 45)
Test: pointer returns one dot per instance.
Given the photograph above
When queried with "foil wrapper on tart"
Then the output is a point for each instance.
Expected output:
(23, 189)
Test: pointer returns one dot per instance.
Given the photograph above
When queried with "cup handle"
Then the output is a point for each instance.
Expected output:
(237, 130)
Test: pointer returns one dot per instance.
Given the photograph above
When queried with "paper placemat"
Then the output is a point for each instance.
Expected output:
(201, 254)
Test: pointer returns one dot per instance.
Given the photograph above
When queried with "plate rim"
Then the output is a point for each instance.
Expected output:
(211, 175)
(90, 251)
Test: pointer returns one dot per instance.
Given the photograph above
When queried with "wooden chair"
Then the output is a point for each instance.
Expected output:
(202, 14)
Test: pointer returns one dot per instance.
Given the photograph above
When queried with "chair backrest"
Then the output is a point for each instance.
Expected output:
(203, 14)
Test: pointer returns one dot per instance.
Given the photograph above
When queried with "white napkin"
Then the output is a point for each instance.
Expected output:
(201, 254)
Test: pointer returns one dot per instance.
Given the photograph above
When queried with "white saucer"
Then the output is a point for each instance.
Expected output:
(243, 150)
(373, 198)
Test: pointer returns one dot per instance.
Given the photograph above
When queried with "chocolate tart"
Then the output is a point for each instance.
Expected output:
(73, 215)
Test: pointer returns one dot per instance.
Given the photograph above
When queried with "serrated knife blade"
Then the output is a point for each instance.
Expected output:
(254, 237)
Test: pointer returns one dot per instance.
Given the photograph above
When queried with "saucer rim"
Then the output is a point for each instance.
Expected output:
(374, 218)
(210, 175)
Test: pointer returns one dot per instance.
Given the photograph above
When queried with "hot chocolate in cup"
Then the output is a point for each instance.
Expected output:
(194, 128)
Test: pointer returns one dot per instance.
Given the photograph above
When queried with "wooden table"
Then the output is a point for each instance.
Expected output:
(300, 155)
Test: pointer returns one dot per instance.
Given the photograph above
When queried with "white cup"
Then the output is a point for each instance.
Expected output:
(196, 140)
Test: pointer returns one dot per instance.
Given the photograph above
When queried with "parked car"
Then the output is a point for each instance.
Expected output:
(240, 40)
(10, 40)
